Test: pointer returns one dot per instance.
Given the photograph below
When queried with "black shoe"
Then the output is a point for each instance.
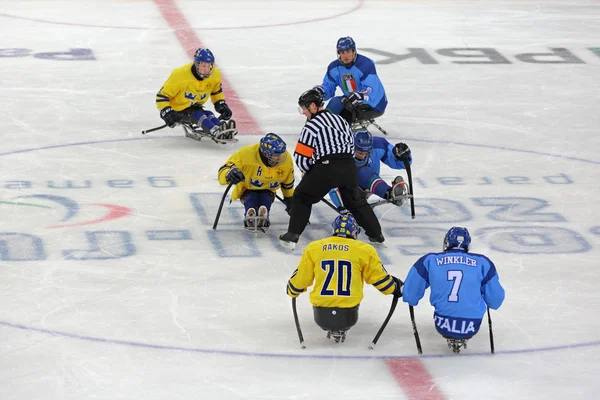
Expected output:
(289, 240)
(378, 239)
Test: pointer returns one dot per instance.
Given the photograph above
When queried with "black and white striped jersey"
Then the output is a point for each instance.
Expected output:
(323, 135)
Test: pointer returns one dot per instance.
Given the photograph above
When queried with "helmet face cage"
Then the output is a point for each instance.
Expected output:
(457, 237)
(345, 226)
(204, 56)
(273, 148)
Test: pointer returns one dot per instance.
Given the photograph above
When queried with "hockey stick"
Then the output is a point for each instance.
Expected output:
(324, 200)
(378, 127)
(410, 183)
(221, 205)
(281, 200)
(382, 202)
(358, 115)
(154, 129)
(491, 333)
(411, 310)
(297, 322)
(387, 319)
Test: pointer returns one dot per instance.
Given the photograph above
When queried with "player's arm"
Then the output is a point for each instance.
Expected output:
(304, 275)
(218, 98)
(375, 274)
(162, 99)
(492, 290)
(217, 93)
(167, 92)
(391, 155)
(370, 84)
(227, 170)
(329, 84)
(416, 282)
(163, 102)
(287, 185)
(304, 150)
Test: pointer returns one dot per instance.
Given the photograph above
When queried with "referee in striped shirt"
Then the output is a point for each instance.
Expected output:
(325, 155)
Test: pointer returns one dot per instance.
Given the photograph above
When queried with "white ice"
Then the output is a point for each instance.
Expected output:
(157, 305)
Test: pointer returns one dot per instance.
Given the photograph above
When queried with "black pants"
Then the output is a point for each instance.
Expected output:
(185, 116)
(335, 318)
(340, 173)
(361, 112)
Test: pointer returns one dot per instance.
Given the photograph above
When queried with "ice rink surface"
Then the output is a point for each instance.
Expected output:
(114, 286)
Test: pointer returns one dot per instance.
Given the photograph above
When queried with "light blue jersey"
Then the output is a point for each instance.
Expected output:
(368, 172)
(383, 152)
(462, 285)
(361, 77)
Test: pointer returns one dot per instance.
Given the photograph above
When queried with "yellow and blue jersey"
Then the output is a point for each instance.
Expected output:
(258, 175)
(339, 267)
(183, 89)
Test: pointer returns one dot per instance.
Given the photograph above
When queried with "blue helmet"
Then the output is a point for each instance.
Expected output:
(204, 55)
(457, 237)
(345, 226)
(273, 149)
(363, 141)
(345, 43)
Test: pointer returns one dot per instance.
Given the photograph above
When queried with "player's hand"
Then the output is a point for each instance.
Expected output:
(401, 152)
(399, 284)
(288, 205)
(235, 176)
(170, 116)
(354, 100)
(223, 109)
(320, 89)
(342, 210)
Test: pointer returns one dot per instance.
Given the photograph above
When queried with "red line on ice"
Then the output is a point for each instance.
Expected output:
(114, 212)
(414, 379)
(189, 40)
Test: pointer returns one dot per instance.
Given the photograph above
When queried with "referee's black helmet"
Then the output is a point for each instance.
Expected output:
(309, 97)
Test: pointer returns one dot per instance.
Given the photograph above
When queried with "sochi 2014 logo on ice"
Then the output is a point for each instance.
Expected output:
(41, 226)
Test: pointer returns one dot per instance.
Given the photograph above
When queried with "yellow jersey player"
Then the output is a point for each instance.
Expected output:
(258, 171)
(182, 97)
(338, 266)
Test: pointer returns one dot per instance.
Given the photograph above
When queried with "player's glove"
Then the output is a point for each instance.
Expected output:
(223, 109)
(401, 152)
(320, 89)
(343, 210)
(170, 116)
(354, 100)
(399, 284)
(288, 205)
(235, 176)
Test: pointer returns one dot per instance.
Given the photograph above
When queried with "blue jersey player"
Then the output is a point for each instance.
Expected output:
(462, 285)
(369, 153)
(355, 74)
